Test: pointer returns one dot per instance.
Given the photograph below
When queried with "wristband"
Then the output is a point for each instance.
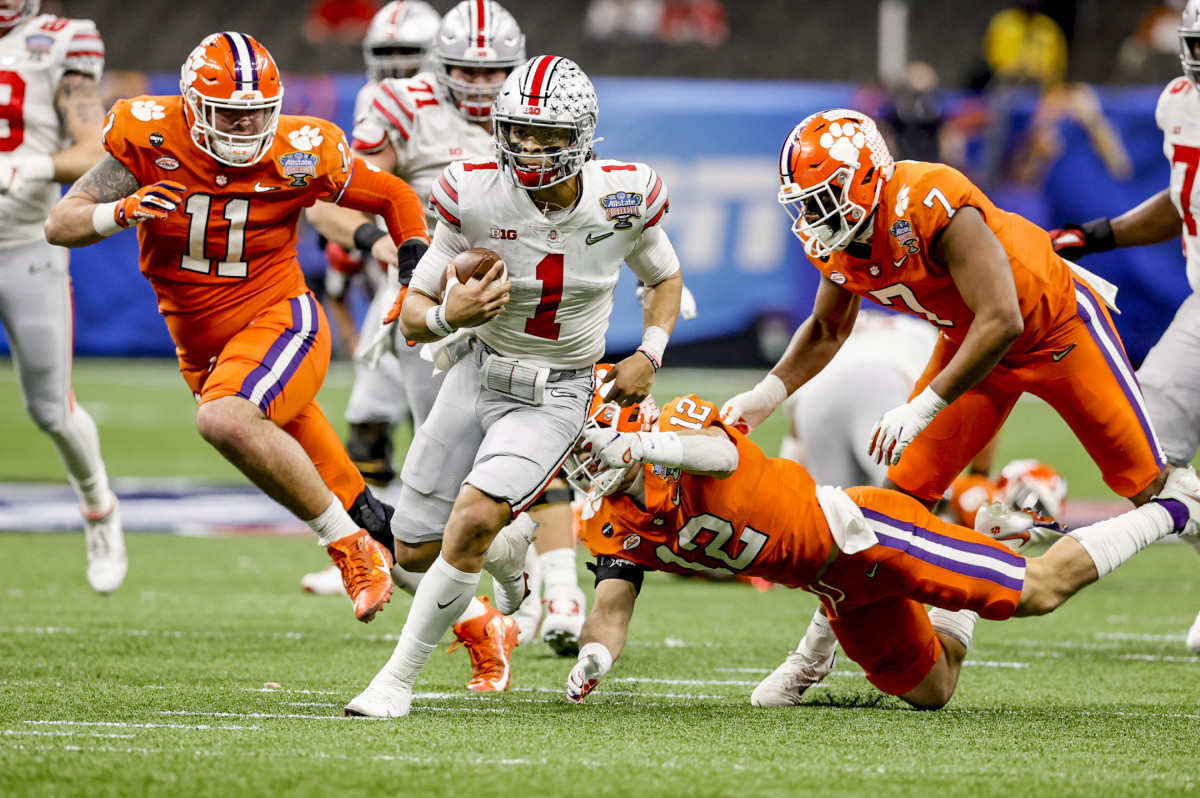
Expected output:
(654, 342)
(104, 219)
(435, 320)
(1101, 233)
(365, 236)
(602, 654)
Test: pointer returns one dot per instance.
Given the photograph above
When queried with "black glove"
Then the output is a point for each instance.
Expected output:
(408, 256)
(1074, 241)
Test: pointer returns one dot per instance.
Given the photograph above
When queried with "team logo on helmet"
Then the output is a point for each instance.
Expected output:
(903, 233)
(622, 206)
(299, 166)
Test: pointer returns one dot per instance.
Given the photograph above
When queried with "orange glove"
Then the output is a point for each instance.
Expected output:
(149, 202)
(394, 313)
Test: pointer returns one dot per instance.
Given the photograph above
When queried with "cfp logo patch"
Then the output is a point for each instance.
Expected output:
(622, 206)
(903, 233)
(299, 166)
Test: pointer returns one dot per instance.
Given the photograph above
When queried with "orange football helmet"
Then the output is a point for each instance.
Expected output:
(230, 75)
(585, 471)
(832, 167)
(14, 12)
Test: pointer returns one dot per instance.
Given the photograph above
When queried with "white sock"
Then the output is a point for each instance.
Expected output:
(78, 446)
(406, 580)
(958, 624)
(333, 524)
(406, 661)
(1110, 543)
(559, 574)
(819, 641)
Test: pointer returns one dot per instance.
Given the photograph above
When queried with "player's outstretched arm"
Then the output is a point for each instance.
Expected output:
(81, 111)
(1152, 222)
(351, 230)
(105, 201)
(705, 452)
(604, 634)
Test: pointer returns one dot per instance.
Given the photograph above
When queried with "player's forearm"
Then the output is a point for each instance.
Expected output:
(336, 223)
(414, 318)
(608, 622)
(378, 193)
(71, 223)
(75, 161)
(812, 346)
(662, 307)
(1153, 221)
(987, 342)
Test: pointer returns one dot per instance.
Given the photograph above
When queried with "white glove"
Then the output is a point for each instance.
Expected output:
(441, 353)
(749, 409)
(615, 449)
(382, 343)
(896, 430)
(593, 663)
(18, 171)
(687, 302)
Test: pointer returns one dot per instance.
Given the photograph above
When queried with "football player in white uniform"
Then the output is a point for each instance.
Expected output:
(518, 388)
(50, 104)
(1170, 374)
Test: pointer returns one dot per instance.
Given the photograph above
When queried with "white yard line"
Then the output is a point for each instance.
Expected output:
(119, 725)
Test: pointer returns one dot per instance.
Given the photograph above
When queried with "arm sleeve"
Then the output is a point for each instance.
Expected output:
(447, 242)
(653, 258)
(373, 191)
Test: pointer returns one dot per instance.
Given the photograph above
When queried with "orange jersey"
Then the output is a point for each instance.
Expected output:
(229, 252)
(763, 521)
(917, 203)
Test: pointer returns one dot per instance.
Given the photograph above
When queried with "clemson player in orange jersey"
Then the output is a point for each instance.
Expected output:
(691, 493)
(215, 182)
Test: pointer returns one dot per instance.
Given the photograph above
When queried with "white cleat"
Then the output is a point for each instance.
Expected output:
(107, 561)
(505, 561)
(1016, 529)
(326, 582)
(786, 685)
(529, 615)
(563, 623)
(1184, 486)
(1193, 637)
(379, 701)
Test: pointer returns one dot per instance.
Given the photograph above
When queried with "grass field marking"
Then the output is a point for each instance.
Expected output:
(1159, 658)
(683, 682)
(35, 733)
(1167, 638)
(984, 663)
(288, 690)
(122, 725)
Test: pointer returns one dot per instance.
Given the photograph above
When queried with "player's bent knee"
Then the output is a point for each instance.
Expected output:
(50, 417)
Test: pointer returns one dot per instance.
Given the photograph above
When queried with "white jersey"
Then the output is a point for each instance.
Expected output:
(35, 55)
(423, 126)
(563, 270)
(1178, 116)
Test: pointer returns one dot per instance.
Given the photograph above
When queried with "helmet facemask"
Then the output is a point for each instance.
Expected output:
(14, 15)
(1189, 54)
(824, 217)
(391, 60)
(557, 155)
(233, 149)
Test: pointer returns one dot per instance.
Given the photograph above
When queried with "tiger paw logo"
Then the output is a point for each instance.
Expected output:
(902, 201)
(844, 140)
(306, 138)
(147, 110)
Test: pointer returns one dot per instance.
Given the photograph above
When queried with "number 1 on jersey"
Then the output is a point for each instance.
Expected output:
(550, 273)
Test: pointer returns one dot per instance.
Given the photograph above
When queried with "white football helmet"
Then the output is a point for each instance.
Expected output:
(476, 33)
(1189, 41)
(398, 39)
(546, 96)
(14, 12)
(584, 469)
(1032, 485)
(231, 73)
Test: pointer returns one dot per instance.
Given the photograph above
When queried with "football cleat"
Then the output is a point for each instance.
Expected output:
(366, 572)
(786, 685)
(1184, 486)
(107, 561)
(529, 615)
(563, 622)
(1193, 637)
(1016, 529)
(383, 698)
(326, 582)
(489, 639)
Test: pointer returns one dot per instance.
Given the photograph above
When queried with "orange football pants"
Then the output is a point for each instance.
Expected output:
(876, 599)
(1080, 369)
(278, 363)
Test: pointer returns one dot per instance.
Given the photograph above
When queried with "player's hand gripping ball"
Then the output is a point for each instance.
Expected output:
(473, 264)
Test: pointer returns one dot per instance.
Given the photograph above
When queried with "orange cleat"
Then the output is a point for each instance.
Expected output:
(490, 639)
(366, 572)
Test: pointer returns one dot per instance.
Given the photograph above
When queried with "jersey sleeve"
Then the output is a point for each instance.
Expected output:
(336, 164)
(657, 201)
(443, 199)
(653, 257)
(1163, 111)
(689, 412)
(388, 115)
(85, 49)
(370, 132)
(115, 133)
(933, 199)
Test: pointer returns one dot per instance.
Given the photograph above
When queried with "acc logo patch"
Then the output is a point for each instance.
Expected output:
(167, 162)
(903, 233)
(837, 277)
(631, 542)
(622, 206)
(299, 166)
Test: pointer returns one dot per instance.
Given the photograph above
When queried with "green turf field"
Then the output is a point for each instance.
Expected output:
(159, 689)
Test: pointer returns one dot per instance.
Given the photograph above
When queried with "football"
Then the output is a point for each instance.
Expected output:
(474, 264)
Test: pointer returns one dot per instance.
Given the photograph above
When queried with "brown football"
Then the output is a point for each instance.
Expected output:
(473, 263)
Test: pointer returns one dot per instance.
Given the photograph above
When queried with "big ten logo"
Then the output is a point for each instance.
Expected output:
(507, 235)
(531, 110)
(454, 152)
(724, 215)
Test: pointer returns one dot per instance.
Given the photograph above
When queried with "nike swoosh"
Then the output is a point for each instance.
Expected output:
(1060, 355)
(898, 262)
(34, 268)
(871, 573)
(592, 239)
(442, 606)
(562, 393)
(261, 187)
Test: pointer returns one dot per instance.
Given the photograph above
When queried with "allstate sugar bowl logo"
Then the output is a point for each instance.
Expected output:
(903, 233)
(299, 166)
(622, 206)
